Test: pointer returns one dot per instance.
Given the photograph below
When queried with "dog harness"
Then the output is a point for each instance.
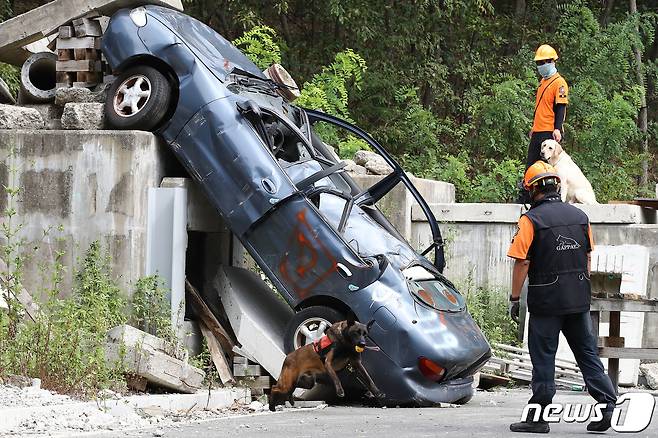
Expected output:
(322, 346)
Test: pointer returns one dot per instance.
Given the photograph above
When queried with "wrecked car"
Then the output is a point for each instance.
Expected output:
(315, 233)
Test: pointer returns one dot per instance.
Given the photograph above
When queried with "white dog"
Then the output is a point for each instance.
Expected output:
(575, 186)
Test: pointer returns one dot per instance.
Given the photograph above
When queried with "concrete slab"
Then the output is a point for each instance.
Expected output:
(471, 212)
(618, 214)
(43, 21)
(166, 245)
(257, 315)
(156, 366)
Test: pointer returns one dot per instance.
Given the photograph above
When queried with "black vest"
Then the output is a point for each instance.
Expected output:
(558, 280)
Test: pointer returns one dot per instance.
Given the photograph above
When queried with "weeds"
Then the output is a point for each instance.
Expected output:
(488, 307)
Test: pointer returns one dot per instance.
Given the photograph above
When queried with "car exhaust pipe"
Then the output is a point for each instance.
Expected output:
(38, 78)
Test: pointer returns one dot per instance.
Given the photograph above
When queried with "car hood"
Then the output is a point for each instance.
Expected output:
(216, 52)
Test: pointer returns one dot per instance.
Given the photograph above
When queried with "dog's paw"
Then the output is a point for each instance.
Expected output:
(340, 392)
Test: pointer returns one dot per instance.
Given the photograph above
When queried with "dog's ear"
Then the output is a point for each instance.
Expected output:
(558, 149)
(351, 318)
(372, 321)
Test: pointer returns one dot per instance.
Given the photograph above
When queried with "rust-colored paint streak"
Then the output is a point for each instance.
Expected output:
(426, 297)
(449, 295)
(442, 319)
(307, 258)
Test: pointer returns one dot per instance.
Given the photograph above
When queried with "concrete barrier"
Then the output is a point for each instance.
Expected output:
(93, 184)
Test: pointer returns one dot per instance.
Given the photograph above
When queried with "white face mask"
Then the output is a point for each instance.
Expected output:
(547, 70)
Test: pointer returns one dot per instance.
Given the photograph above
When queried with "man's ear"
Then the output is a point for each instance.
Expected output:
(351, 318)
(372, 321)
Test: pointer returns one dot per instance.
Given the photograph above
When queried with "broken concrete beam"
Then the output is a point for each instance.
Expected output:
(38, 78)
(17, 117)
(145, 355)
(258, 317)
(157, 367)
(83, 116)
(45, 20)
(132, 336)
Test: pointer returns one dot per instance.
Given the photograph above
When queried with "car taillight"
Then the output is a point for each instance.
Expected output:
(431, 370)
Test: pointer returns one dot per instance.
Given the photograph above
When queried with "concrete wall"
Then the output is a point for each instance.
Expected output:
(93, 184)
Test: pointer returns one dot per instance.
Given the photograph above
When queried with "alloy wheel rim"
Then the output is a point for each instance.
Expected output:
(132, 95)
(309, 331)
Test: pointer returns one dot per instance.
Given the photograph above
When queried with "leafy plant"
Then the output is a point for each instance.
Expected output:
(151, 311)
(260, 45)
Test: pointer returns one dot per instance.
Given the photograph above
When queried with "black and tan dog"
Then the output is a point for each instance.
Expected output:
(342, 344)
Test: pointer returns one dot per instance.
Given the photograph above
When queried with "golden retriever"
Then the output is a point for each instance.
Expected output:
(575, 186)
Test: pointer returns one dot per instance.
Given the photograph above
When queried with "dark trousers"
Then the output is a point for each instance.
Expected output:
(534, 149)
(543, 334)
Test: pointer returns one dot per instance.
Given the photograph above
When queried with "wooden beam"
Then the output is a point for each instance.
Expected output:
(208, 319)
(83, 65)
(217, 355)
(629, 353)
(621, 305)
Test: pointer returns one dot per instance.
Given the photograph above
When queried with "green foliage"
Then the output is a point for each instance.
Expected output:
(63, 345)
(488, 308)
(328, 90)
(260, 45)
(452, 77)
(151, 311)
(12, 77)
(96, 293)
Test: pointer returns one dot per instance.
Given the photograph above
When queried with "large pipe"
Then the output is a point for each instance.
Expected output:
(38, 82)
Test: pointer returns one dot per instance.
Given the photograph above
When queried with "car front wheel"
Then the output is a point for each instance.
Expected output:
(139, 98)
(308, 325)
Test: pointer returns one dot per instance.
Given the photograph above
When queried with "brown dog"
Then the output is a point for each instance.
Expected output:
(342, 344)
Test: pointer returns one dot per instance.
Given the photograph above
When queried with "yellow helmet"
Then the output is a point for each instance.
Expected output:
(545, 52)
(540, 170)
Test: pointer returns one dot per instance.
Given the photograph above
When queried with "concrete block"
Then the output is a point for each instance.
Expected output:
(18, 117)
(48, 111)
(242, 370)
(83, 116)
(92, 183)
(131, 336)
(258, 317)
(64, 95)
(617, 213)
(354, 168)
(45, 20)
(650, 371)
(471, 212)
(154, 365)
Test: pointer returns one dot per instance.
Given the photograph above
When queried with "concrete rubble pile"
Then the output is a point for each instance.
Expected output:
(366, 162)
(57, 46)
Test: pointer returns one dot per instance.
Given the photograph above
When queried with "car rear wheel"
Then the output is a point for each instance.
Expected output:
(139, 98)
(308, 325)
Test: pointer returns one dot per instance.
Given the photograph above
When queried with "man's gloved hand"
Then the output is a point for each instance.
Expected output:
(513, 308)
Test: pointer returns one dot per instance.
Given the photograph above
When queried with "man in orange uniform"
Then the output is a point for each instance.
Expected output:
(552, 248)
(550, 103)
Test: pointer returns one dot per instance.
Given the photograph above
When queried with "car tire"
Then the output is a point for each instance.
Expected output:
(311, 318)
(139, 98)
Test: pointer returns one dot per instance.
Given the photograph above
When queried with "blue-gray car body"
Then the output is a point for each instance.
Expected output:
(319, 239)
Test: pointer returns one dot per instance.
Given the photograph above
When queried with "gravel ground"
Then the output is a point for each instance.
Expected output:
(52, 414)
